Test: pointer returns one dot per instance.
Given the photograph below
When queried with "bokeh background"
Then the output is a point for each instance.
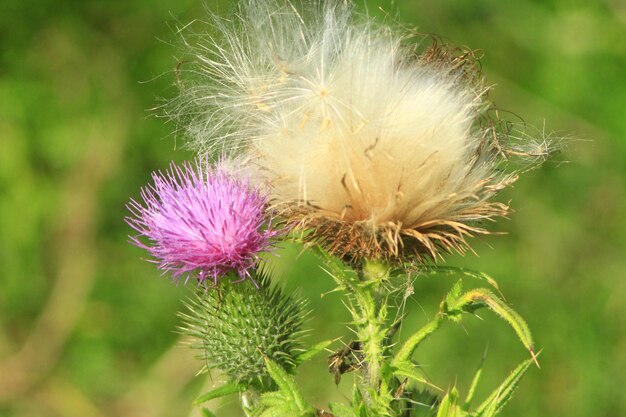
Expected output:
(88, 329)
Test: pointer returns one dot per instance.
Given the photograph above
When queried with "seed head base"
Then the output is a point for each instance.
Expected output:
(392, 241)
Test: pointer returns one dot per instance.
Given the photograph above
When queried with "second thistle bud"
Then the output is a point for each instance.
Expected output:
(238, 325)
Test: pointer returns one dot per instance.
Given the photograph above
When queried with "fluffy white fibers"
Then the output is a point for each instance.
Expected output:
(376, 150)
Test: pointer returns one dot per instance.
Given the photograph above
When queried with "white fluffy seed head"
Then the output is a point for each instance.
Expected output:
(375, 149)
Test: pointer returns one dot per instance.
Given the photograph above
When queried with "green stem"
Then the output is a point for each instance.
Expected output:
(372, 329)
(371, 337)
(405, 353)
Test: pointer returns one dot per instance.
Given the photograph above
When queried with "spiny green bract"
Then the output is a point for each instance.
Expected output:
(237, 325)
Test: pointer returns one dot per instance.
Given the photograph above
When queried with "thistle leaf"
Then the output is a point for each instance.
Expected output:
(333, 267)
(285, 383)
(474, 384)
(407, 369)
(341, 410)
(312, 351)
(449, 405)
(425, 404)
(481, 297)
(453, 295)
(288, 398)
(206, 413)
(222, 391)
(455, 292)
(273, 399)
(498, 398)
(455, 270)
(282, 410)
(358, 404)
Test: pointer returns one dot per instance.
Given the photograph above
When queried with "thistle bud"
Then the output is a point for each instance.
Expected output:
(238, 325)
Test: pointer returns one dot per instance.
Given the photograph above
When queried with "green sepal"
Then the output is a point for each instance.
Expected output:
(221, 391)
(498, 398)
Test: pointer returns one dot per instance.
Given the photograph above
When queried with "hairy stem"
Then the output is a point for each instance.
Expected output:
(372, 329)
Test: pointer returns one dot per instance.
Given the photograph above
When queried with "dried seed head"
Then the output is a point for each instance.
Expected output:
(373, 148)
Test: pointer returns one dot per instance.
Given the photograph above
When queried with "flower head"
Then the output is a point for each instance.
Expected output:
(374, 148)
(201, 218)
(237, 329)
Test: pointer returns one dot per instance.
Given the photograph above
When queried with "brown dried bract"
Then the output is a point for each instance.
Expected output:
(391, 241)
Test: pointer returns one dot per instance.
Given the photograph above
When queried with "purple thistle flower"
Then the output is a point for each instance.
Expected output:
(201, 219)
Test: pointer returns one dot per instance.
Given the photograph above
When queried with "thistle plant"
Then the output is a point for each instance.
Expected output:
(373, 148)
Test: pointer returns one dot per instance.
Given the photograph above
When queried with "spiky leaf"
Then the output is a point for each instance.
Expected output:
(221, 391)
(474, 384)
(449, 405)
(424, 404)
(407, 369)
(206, 413)
(481, 297)
(341, 410)
(313, 351)
(498, 398)
(287, 400)
(450, 300)
(456, 271)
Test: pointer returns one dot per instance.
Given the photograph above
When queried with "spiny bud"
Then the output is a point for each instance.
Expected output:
(236, 326)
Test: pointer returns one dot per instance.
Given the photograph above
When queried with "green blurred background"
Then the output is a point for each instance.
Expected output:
(88, 329)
